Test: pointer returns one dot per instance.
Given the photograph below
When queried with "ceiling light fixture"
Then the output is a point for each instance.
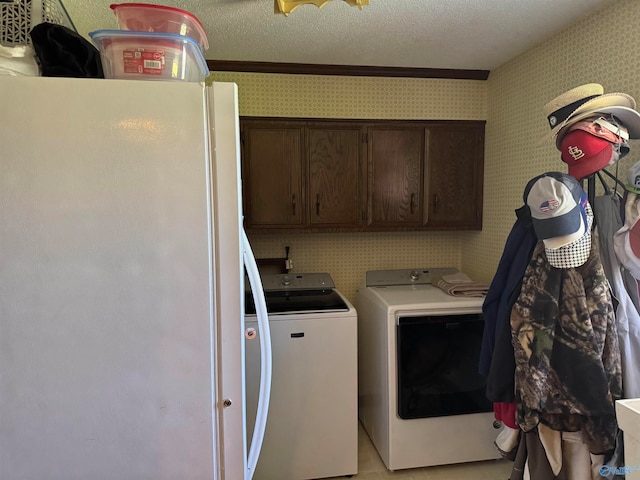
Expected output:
(288, 6)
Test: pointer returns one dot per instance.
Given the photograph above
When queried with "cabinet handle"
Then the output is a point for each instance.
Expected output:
(411, 204)
(293, 204)
(318, 204)
(436, 200)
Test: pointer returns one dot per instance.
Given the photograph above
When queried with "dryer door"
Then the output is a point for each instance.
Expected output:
(438, 366)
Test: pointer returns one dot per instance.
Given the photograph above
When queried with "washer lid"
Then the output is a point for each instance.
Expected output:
(298, 293)
(299, 301)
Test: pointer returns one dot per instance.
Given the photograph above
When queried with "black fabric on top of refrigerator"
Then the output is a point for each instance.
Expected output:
(61, 52)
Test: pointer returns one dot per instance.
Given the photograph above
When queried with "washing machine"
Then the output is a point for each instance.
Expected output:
(421, 399)
(312, 422)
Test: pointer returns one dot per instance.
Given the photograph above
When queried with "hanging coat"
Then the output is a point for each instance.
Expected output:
(568, 372)
(607, 214)
(496, 308)
(496, 354)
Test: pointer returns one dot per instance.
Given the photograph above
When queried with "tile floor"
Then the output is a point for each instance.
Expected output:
(370, 467)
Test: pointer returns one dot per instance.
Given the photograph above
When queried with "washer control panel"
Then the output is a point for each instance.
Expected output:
(407, 276)
(297, 281)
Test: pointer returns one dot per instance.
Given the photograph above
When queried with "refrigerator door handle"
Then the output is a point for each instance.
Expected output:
(265, 356)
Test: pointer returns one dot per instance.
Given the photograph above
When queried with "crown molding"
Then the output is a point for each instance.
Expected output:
(345, 70)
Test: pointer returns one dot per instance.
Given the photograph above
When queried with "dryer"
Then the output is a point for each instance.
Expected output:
(421, 398)
(312, 423)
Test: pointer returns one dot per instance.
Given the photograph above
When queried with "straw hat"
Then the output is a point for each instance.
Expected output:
(585, 100)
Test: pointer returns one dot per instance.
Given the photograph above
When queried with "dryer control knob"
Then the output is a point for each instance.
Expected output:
(414, 275)
(286, 280)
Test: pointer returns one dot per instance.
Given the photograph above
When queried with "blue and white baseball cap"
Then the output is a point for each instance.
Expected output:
(557, 203)
(576, 253)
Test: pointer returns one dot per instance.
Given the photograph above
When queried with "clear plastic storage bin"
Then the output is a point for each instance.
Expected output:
(145, 17)
(150, 56)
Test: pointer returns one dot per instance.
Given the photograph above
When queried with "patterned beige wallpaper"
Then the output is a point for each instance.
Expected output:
(325, 96)
(517, 93)
(602, 48)
(348, 256)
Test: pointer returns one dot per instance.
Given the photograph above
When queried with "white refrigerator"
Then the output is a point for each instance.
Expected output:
(122, 282)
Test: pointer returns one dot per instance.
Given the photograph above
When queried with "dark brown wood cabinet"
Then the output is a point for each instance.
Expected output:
(335, 177)
(355, 175)
(395, 168)
(272, 175)
(455, 160)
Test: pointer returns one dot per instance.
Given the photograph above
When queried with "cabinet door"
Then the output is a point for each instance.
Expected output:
(455, 166)
(335, 172)
(272, 167)
(395, 175)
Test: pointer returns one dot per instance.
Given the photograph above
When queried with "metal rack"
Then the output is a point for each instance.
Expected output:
(591, 183)
(18, 17)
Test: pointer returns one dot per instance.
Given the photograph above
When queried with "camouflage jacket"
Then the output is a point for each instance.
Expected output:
(568, 370)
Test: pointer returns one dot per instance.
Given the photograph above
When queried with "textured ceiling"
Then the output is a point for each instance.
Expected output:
(442, 34)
